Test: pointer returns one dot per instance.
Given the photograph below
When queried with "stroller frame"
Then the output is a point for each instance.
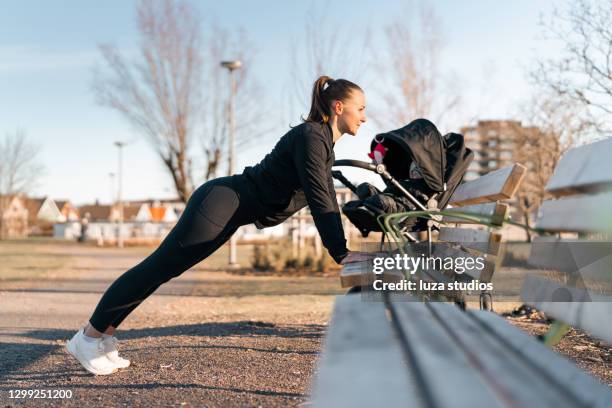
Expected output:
(381, 170)
(486, 301)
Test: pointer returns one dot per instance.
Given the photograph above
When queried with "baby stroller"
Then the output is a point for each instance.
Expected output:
(439, 163)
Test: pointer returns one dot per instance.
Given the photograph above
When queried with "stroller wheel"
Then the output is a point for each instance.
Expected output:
(486, 301)
(461, 304)
(354, 289)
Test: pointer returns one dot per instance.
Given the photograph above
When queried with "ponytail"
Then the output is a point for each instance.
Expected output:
(324, 91)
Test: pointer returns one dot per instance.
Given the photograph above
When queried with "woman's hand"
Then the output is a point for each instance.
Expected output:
(355, 256)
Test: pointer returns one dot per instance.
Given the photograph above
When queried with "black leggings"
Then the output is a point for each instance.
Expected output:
(213, 213)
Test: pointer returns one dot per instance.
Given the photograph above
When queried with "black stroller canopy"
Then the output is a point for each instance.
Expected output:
(421, 142)
(442, 160)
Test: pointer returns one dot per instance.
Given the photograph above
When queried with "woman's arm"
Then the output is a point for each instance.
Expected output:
(310, 154)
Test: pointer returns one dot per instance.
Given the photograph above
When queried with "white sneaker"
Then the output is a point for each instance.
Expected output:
(112, 352)
(90, 354)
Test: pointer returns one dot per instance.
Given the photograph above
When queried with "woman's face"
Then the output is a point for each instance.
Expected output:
(351, 113)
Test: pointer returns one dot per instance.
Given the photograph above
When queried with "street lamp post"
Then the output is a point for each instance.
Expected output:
(119, 193)
(231, 67)
(113, 197)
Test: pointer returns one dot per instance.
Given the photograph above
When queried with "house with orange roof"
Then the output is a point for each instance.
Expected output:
(148, 219)
(163, 213)
(163, 210)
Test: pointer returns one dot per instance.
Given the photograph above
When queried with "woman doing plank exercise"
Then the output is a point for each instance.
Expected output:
(297, 172)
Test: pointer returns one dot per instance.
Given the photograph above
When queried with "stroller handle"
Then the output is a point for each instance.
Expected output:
(379, 169)
(376, 168)
(355, 163)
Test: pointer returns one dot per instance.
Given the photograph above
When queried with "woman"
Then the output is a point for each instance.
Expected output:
(296, 173)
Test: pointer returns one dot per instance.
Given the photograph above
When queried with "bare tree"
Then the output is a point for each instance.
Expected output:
(556, 126)
(20, 170)
(583, 72)
(160, 92)
(324, 49)
(413, 85)
(20, 167)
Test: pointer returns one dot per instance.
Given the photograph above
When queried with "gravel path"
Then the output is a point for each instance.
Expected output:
(206, 339)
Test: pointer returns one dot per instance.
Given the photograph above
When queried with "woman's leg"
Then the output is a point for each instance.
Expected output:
(211, 216)
(110, 330)
(207, 251)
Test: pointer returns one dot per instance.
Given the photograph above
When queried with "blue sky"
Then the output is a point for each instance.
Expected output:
(48, 50)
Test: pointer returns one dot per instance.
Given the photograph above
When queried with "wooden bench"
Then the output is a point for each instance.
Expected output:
(431, 354)
(480, 197)
(396, 350)
(578, 291)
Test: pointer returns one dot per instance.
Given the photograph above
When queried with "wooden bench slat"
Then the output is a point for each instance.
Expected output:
(514, 378)
(362, 360)
(497, 211)
(537, 289)
(562, 371)
(352, 274)
(497, 185)
(480, 240)
(361, 274)
(586, 259)
(590, 213)
(438, 358)
(584, 169)
(551, 253)
(592, 315)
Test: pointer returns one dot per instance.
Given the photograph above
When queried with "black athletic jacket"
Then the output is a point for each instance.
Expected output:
(298, 172)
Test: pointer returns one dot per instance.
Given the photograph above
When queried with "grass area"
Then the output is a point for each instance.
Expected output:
(48, 259)
(217, 260)
(279, 254)
(69, 266)
(28, 259)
